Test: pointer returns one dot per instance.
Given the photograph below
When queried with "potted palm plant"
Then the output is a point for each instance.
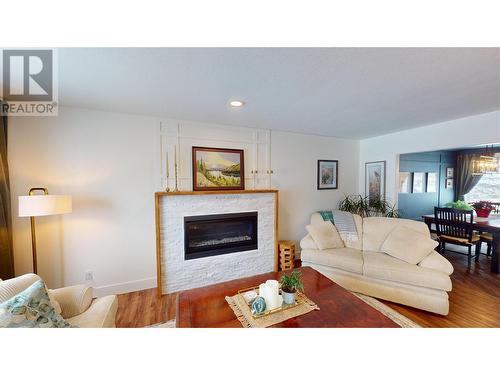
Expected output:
(290, 284)
(362, 206)
(483, 208)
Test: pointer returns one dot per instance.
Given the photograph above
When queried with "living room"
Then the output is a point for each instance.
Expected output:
(268, 186)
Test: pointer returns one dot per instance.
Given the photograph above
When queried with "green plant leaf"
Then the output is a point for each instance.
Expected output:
(292, 282)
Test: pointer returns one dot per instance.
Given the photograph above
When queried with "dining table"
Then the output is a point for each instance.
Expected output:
(490, 224)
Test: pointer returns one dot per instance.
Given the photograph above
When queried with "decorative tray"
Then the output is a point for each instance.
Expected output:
(245, 293)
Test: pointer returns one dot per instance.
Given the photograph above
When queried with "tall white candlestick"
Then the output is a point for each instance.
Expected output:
(175, 168)
(167, 165)
(168, 174)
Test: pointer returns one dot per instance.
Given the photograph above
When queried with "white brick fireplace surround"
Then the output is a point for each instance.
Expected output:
(175, 273)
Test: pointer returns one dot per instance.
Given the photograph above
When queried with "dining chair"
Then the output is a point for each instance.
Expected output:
(487, 238)
(455, 227)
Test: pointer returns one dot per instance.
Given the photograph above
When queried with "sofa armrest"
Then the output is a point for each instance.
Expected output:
(74, 299)
(100, 314)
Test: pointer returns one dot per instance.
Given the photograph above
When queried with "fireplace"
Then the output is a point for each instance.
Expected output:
(211, 235)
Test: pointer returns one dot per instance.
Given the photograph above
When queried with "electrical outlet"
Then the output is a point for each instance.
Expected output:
(89, 275)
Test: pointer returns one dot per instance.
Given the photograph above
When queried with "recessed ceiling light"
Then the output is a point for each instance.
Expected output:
(237, 103)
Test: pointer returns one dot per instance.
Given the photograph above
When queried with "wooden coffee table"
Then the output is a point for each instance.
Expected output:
(206, 307)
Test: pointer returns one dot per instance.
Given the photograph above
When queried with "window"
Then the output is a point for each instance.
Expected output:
(487, 189)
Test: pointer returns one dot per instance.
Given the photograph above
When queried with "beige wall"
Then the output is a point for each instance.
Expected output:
(110, 164)
(459, 133)
(294, 160)
(107, 162)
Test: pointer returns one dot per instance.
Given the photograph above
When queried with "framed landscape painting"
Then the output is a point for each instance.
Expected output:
(328, 174)
(218, 169)
(375, 181)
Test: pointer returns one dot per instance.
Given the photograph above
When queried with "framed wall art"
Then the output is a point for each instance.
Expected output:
(432, 182)
(449, 172)
(404, 182)
(218, 169)
(418, 185)
(328, 174)
(375, 181)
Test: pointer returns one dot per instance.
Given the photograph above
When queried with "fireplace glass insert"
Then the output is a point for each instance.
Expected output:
(211, 235)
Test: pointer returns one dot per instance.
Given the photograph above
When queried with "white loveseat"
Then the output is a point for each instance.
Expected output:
(74, 303)
(362, 267)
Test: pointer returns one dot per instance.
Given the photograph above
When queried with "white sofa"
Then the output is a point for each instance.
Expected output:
(362, 267)
(76, 303)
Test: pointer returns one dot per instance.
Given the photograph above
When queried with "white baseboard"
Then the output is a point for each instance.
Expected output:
(126, 287)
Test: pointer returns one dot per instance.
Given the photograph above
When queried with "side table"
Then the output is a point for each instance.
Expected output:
(287, 255)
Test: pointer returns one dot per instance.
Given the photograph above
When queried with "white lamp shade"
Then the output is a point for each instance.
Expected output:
(43, 205)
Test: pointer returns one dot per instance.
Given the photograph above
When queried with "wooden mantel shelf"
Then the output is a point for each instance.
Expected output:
(162, 193)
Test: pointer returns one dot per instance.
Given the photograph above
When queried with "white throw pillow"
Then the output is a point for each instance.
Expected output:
(325, 235)
(408, 245)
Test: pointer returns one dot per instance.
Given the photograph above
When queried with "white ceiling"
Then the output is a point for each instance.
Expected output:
(342, 92)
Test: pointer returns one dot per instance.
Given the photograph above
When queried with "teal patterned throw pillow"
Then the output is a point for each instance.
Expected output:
(31, 309)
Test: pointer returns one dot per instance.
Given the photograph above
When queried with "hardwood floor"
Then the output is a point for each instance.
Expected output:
(144, 308)
(474, 301)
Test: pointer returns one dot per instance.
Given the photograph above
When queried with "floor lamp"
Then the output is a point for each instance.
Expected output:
(42, 204)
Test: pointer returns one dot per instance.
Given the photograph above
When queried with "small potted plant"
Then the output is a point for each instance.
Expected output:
(290, 284)
(483, 208)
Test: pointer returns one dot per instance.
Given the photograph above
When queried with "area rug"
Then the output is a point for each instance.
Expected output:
(396, 317)
(169, 324)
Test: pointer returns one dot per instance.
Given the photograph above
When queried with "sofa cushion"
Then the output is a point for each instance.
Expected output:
(383, 266)
(376, 230)
(316, 218)
(436, 261)
(31, 309)
(325, 235)
(344, 258)
(408, 245)
(308, 243)
(358, 220)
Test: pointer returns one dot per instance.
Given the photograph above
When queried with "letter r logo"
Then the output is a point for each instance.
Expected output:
(27, 75)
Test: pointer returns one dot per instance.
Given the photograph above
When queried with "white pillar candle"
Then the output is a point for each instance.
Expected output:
(262, 288)
(270, 292)
(274, 284)
(266, 292)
